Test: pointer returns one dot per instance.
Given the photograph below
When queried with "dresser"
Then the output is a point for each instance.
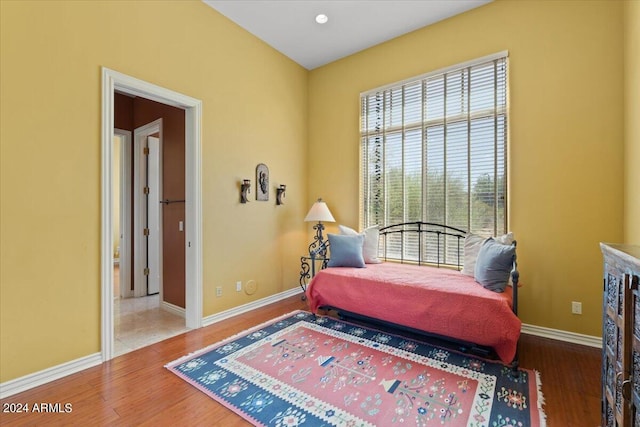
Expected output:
(621, 336)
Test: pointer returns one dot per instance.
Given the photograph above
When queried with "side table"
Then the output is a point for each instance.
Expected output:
(308, 268)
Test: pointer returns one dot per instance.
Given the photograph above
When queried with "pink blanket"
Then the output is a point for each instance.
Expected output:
(436, 300)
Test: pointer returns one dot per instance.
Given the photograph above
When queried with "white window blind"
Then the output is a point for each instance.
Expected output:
(434, 149)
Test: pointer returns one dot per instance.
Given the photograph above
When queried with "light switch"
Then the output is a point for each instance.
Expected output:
(181, 225)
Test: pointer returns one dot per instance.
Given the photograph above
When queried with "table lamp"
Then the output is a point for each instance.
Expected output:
(318, 212)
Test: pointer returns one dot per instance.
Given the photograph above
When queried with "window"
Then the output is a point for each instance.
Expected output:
(434, 149)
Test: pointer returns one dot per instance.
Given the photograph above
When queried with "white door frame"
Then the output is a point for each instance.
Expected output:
(112, 81)
(125, 212)
(140, 209)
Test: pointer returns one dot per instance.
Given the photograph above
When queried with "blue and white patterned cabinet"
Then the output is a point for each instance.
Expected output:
(621, 336)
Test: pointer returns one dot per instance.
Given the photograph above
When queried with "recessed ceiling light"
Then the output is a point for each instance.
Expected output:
(322, 18)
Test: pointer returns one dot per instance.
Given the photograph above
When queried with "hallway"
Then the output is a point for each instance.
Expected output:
(139, 322)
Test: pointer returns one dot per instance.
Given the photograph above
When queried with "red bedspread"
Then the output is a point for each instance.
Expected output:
(436, 300)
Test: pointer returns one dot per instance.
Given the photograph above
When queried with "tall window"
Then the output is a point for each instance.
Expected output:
(433, 149)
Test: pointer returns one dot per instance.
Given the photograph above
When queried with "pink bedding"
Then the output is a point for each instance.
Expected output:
(436, 300)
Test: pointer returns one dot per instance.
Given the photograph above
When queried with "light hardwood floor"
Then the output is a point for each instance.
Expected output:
(135, 389)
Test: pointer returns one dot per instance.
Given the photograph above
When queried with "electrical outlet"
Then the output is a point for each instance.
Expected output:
(218, 291)
(239, 286)
(576, 307)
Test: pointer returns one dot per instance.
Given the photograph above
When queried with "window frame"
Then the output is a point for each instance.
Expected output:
(498, 112)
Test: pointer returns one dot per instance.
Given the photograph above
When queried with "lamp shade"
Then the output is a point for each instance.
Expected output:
(319, 212)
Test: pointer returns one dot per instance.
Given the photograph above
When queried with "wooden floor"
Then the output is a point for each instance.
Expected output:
(135, 389)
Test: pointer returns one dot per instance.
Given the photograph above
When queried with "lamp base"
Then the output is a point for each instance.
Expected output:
(319, 244)
(317, 252)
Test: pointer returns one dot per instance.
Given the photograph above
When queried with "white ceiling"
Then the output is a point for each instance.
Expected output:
(289, 25)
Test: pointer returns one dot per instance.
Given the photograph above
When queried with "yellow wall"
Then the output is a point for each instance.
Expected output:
(632, 121)
(254, 111)
(566, 151)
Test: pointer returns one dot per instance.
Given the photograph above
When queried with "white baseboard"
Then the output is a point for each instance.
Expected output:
(18, 385)
(172, 308)
(214, 318)
(27, 382)
(560, 335)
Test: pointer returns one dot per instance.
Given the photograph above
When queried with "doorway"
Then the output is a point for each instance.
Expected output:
(112, 81)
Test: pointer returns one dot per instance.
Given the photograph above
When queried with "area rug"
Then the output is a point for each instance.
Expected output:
(303, 370)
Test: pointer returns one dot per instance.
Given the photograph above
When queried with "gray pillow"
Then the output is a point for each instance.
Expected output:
(494, 264)
(371, 238)
(346, 251)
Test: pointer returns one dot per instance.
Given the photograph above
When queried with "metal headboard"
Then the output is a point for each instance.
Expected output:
(442, 233)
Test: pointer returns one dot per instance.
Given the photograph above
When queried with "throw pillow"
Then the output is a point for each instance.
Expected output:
(505, 239)
(494, 264)
(346, 251)
(472, 245)
(371, 239)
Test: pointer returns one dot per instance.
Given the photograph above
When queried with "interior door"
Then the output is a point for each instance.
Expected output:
(153, 216)
(147, 209)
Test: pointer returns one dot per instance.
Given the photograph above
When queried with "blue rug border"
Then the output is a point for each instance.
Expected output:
(528, 379)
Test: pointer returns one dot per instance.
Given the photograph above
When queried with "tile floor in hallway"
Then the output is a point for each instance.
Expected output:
(140, 322)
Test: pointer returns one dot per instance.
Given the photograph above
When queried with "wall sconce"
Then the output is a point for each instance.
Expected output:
(280, 194)
(245, 188)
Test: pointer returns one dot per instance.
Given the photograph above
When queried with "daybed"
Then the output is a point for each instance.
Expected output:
(425, 295)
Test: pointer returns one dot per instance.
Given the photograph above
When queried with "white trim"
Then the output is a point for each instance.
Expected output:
(466, 64)
(111, 81)
(245, 308)
(193, 215)
(125, 213)
(559, 335)
(540, 331)
(36, 379)
(18, 385)
(106, 223)
(172, 308)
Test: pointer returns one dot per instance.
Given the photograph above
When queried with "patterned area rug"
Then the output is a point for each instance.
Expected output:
(318, 371)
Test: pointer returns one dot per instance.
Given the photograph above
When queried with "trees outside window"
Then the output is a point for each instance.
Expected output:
(434, 149)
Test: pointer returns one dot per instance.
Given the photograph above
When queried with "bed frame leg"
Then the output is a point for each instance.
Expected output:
(515, 372)
(515, 364)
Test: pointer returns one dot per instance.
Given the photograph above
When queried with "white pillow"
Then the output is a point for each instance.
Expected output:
(371, 239)
(505, 239)
(472, 245)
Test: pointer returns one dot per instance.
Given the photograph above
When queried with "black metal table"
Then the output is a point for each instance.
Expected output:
(308, 268)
